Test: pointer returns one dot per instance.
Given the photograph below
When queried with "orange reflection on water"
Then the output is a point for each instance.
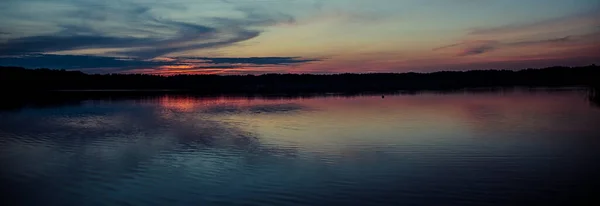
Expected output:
(184, 104)
(194, 103)
(395, 119)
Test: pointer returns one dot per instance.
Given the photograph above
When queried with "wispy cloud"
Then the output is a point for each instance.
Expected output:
(579, 21)
(567, 31)
(469, 48)
(565, 39)
(448, 46)
(479, 49)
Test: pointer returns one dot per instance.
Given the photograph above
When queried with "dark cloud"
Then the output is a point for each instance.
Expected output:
(237, 30)
(216, 67)
(174, 36)
(71, 37)
(472, 47)
(101, 64)
(256, 60)
(39, 44)
(77, 62)
(156, 51)
(447, 46)
(134, 30)
(478, 49)
(543, 41)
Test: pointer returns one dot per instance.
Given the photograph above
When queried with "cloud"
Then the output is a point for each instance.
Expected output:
(82, 62)
(475, 50)
(256, 60)
(447, 46)
(543, 41)
(188, 37)
(584, 20)
(53, 43)
(101, 64)
(469, 48)
(215, 67)
(137, 32)
(576, 30)
(228, 65)
(156, 51)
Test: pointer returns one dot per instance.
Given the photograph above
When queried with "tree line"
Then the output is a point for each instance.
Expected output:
(37, 80)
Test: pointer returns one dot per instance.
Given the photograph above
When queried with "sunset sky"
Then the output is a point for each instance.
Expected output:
(297, 36)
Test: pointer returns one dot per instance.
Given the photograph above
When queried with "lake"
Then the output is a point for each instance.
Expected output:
(499, 147)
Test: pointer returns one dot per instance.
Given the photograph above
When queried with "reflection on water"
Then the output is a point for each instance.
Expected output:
(487, 148)
(594, 96)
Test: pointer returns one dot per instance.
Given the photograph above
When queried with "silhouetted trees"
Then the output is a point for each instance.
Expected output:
(15, 79)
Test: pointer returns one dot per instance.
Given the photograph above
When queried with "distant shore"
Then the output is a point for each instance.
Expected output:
(16, 80)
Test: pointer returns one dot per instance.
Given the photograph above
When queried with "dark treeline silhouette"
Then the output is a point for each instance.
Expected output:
(16, 79)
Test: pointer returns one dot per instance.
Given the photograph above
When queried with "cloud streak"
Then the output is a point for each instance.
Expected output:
(575, 21)
(470, 48)
(574, 30)
(480, 49)
(485, 46)
(101, 64)
(77, 62)
(256, 60)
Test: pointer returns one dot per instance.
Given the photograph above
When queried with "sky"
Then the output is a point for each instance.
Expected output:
(297, 36)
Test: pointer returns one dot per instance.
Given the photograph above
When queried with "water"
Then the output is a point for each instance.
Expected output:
(466, 148)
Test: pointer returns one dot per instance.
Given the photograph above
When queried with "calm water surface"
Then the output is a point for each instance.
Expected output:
(505, 148)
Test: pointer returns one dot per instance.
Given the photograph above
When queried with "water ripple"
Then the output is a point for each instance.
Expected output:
(510, 149)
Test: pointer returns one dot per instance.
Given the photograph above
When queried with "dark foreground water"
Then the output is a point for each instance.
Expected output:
(482, 148)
